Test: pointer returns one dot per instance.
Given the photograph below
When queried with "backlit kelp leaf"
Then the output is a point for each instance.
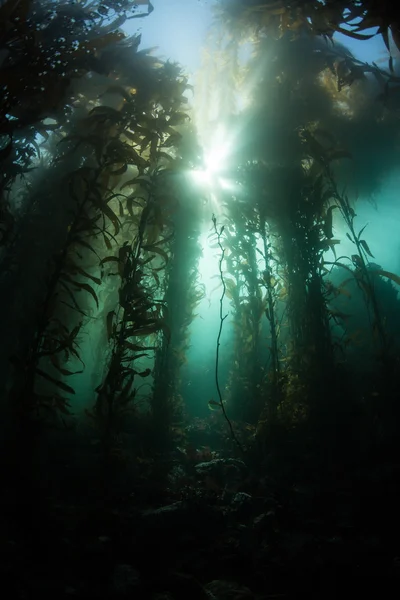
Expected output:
(172, 140)
(136, 356)
(388, 274)
(213, 405)
(149, 327)
(100, 42)
(384, 31)
(56, 364)
(330, 244)
(130, 183)
(328, 222)
(71, 267)
(152, 232)
(92, 140)
(133, 199)
(343, 291)
(144, 373)
(118, 151)
(52, 403)
(164, 240)
(68, 290)
(353, 34)
(140, 331)
(81, 242)
(107, 241)
(88, 288)
(356, 259)
(346, 281)
(336, 263)
(114, 195)
(336, 314)
(360, 232)
(119, 90)
(170, 158)
(79, 310)
(109, 259)
(107, 211)
(134, 136)
(119, 170)
(141, 15)
(146, 141)
(137, 347)
(366, 248)
(156, 250)
(178, 118)
(59, 384)
(79, 286)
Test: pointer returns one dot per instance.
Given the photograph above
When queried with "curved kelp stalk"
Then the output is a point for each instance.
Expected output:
(220, 403)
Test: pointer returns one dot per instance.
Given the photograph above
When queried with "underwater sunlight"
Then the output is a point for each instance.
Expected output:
(216, 159)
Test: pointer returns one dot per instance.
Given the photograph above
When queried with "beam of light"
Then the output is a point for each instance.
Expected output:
(215, 159)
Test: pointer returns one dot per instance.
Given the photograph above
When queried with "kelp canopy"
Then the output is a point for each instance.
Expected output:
(310, 128)
(90, 186)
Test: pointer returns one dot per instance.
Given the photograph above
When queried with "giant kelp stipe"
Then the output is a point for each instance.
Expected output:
(200, 342)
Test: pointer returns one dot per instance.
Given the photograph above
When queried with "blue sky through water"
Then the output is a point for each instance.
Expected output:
(178, 28)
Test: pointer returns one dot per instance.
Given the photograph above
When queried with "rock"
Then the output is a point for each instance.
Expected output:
(125, 580)
(241, 499)
(220, 589)
(218, 465)
(186, 517)
(224, 472)
(242, 505)
(162, 511)
(176, 474)
(266, 522)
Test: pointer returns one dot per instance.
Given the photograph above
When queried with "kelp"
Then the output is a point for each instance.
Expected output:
(288, 191)
(123, 139)
(45, 48)
(279, 17)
